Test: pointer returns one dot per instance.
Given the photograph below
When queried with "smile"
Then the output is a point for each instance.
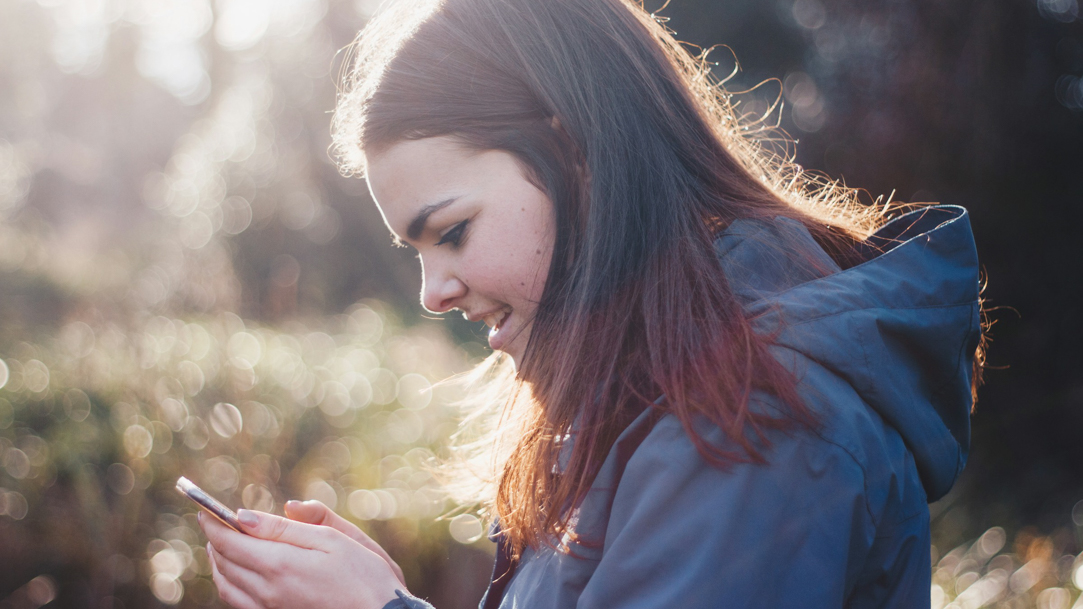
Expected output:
(496, 320)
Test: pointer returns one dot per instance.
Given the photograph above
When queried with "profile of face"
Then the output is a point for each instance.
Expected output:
(483, 231)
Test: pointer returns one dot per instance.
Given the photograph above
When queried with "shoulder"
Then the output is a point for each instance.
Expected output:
(800, 463)
(794, 527)
(853, 466)
(798, 529)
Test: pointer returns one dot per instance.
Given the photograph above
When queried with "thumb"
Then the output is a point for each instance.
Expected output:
(312, 512)
(276, 528)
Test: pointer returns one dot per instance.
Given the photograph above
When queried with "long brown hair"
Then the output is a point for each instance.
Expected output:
(645, 160)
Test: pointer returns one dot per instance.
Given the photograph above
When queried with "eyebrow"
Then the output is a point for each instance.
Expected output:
(417, 225)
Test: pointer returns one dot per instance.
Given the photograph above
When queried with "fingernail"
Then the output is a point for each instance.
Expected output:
(248, 518)
(293, 503)
(199, 517)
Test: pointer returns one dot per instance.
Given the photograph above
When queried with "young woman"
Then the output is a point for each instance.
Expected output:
(732, 387)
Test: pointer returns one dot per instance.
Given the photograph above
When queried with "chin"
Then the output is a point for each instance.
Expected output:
(515, 348)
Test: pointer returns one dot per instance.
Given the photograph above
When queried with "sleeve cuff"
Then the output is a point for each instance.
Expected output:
(405, 601)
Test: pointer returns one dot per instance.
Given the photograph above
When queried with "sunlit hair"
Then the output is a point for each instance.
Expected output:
(646, 160)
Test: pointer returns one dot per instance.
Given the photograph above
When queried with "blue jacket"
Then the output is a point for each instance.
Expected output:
(838, 517)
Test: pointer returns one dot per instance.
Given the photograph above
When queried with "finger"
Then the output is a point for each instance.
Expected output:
(264, 526)
(253, 584)
(262, 557)
(224, 538)
(312, 512)
(242, 549)
(315, 512)
(227, 591)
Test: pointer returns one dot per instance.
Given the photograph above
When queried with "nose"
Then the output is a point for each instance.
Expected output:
(441, 289)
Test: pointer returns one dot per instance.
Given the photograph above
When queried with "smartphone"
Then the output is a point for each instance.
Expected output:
(212, 505)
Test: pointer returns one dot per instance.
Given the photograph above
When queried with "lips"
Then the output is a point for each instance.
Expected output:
(494, 319)
(496, 322)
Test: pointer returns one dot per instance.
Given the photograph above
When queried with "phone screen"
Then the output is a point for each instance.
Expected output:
(212, 505)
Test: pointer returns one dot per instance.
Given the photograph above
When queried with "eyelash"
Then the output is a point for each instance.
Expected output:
(455, 235)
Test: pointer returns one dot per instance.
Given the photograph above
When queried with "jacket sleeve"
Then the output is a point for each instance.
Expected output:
(683, 533)
(406, 601)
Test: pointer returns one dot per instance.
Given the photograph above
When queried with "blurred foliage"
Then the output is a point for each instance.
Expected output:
(187, 287)
(163, 174)
(1033, 571)
(97, 424)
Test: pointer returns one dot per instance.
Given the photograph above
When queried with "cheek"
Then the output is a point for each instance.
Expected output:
(536, 242)
(540, 258)
(530, 282)
(521, 245)
(517, 271)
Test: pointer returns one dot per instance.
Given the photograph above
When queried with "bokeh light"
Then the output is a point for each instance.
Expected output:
(257, 497)
(41, 590)
(226, 420)
(120, 478)
(465, 528)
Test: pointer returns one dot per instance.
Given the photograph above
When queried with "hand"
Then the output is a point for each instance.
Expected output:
(314, 512)
(287, 563)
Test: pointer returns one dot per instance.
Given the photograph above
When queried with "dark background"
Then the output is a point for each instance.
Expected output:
(965, 103)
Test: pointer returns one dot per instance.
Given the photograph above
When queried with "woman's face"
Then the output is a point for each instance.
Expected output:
(484, 232)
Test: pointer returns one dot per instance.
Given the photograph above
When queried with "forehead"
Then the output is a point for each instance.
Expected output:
(408, 165)
(410, 175)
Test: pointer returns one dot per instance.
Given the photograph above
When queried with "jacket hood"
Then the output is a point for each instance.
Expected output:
(901, 327)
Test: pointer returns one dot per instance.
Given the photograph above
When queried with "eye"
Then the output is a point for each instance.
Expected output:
(454, 236)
